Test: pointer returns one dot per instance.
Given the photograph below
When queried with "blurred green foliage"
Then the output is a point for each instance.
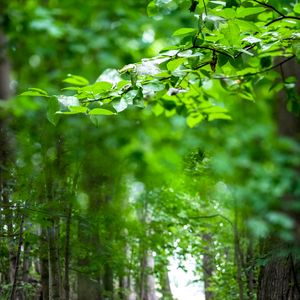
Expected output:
(150, 178)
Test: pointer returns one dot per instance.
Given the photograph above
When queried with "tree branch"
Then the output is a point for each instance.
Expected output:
(212, 216)
(270, 7)
(282, 16)
(258, 72)
(211, 49)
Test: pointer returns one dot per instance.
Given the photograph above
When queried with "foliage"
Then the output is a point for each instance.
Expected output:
(138, 182)
(231, 47)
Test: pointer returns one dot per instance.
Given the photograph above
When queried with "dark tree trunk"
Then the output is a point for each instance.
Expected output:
(108, 282)
(55, 288)
(238, 257)
(44, 266)
(249, 271)
(89, 284)
(17, 264)
(6, 156)
(207, 266)
(279, 279)
(67, 254)
(5, 91)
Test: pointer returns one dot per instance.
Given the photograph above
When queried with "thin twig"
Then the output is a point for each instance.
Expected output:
(95, 100)
(246, 48)
(282, 18)
(211, 49)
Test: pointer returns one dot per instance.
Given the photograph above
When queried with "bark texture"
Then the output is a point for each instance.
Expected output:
(279, 281)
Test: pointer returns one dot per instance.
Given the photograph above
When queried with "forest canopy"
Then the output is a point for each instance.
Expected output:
(191, 157)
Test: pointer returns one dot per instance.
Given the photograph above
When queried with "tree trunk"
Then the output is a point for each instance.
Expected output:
(208, 267)
(147, 277)
(55, 290)
(249, 274)
(67, 254)
(17, 264)
(238, 257)
(279, 279)
(108, 282)
(5, 161)
(165, 285)
(44, 266)
(88, 287)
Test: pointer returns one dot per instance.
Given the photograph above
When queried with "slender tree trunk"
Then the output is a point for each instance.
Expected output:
(165, 285)
(5, 91)
(44, 265)
(18, 255)
(25, 268)
(208, 267)
(55, 290)
(108, 282)
(249, 272)
(67, 254)
(5, 160)
(147, 277)
(238, 257)
(26, 262)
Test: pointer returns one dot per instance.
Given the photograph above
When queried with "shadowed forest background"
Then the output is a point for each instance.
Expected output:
(103, 206)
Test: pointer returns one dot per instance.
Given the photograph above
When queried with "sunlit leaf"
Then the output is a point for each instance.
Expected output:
(35, 92)
(76, 80)
(101, 111)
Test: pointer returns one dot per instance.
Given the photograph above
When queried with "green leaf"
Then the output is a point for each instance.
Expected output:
(174, 64)
(184, 31)
(120, 105)
(101, 111)
(242, 12)
(99, 87)
(53, 107)
(232, 34)
(152, 9)
(74, 110)
(227, 13)
(129, 96)
(151, 88)
(215, 109)
(157, 109)
(218, 116)
(194, 119)
(35, 92)
(76, 80)
(96, 120)
(71, 88)
(297, 8)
